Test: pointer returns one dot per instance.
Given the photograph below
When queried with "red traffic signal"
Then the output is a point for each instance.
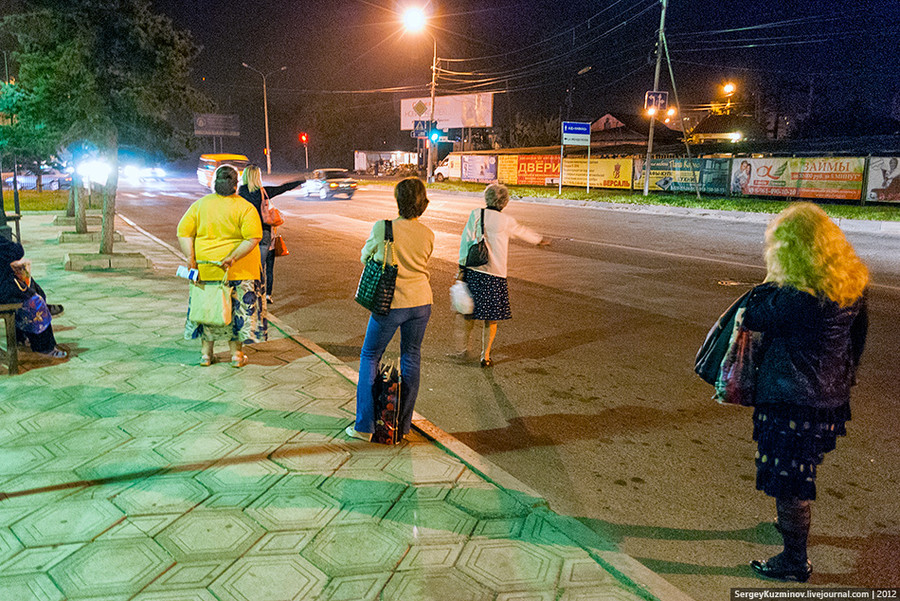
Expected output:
(303, 138)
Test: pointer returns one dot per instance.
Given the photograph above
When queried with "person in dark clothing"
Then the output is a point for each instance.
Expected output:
(17, 286)
(812, 312)
(251, 191)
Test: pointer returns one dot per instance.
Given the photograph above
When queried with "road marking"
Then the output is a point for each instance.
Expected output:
(162, 243)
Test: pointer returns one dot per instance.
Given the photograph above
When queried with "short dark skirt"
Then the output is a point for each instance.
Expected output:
(491, 296)
(791, 443)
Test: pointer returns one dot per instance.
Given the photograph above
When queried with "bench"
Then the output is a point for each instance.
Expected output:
(8, 314)
(16, 217)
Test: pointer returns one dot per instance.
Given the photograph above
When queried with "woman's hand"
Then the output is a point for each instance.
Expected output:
(227, 262)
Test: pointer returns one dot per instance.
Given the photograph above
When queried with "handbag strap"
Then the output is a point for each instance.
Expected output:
(388, 243)
(482, 223)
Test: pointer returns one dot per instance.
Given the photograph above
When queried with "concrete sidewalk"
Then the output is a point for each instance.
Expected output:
(129, 472)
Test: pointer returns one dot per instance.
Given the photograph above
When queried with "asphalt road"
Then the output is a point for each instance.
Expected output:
(593, 401)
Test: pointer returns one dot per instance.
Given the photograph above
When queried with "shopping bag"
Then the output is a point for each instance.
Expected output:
(386, 392)
(210, 303)
(279, 247)
(375, 290)
(736, 384)
(461, 298)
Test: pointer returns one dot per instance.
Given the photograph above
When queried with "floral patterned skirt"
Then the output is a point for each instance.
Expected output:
(249, 317)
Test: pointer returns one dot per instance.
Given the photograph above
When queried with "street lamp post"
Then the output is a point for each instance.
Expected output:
(266, 112)
(659, 51)
(415, 21)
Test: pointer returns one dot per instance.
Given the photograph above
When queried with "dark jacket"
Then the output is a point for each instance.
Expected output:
(812, 346)
(9, 291)
(255, 197)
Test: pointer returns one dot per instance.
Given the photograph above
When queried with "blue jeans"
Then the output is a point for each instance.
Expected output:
(412, 322)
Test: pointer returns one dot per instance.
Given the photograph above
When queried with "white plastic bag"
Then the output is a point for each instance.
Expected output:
(461, 298)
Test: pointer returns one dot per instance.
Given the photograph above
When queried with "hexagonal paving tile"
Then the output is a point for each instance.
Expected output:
(583, 571)
(354, 549)
(180, 595)
(280, 398)
(293, 509)
(282, 543)
(18, 460)
(269, 578)
(88, 441)
(197, 446)
(434, 585)
(370, 486)
(38, 559)
(111, 568)
(431, 557)
(528, 596)
(204, 534)
(9, 544)
(487, 503)
(265, 426)
(429, 522)
(122, 461)
(140, 526)
(163, 494)
(159, 423)
(426, 466)
(189, 575)
(319, 459)
(258, 475)
(36, 587)
(359, 587)
(606, 593)
(506, 565)
(67, 522)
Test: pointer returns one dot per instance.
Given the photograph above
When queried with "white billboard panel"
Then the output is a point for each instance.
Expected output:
(450, 112)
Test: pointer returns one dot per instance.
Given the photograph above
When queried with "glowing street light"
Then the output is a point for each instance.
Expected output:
(729, 88)
(414, 21)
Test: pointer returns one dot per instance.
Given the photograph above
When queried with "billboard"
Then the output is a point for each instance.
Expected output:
(799, 177)
(450, 112)
(212, 124)
(537, 170)
(507, 169)
(605, 173)
(479, 168)
(883, 184)
(674, 175)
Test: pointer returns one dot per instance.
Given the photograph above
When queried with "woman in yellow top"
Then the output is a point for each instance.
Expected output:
(221, 231)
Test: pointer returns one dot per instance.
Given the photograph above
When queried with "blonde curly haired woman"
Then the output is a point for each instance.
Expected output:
(812, 313)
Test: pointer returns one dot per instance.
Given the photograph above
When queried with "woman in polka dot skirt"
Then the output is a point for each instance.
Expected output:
(487, 283)
(813, 318)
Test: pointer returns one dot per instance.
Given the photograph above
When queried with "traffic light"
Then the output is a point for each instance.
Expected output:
(435, 135)
(304, 139)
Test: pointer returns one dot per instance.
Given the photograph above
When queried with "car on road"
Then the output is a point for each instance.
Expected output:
(51, 179)
(210, 162)
(328, 183)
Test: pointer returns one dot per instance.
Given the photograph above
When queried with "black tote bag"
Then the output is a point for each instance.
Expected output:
(478, 251)
(378, 280)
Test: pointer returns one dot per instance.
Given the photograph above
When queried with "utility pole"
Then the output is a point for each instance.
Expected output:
(659, 51)
(430, 170)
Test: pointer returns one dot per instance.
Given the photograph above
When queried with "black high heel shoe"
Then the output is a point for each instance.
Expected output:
(487, 363)
(772, 568)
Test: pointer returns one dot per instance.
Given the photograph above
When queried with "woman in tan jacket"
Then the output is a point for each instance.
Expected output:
(410, 307)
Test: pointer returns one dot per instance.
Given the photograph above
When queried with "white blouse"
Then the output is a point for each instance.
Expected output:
(498, 229)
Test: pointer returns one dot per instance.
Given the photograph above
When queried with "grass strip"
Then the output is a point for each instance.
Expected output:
(31, 200)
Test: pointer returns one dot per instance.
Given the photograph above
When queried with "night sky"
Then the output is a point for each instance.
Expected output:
(835, 54)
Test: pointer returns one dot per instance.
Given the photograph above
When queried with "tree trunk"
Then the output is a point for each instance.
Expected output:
(79, 209)
(109, 196)
(70, 208)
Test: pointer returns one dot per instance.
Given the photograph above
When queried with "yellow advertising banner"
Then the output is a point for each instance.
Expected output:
(605, 173)
(507, 169)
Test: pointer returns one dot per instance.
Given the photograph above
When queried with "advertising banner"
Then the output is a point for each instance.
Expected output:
(884, 179)
(479, 168)
(538, 170)
(507, 169)
(799, 177)
(605, 173)
(674, 175)
(450, 112)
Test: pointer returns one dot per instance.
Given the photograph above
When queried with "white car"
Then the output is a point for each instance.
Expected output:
(328, 183)
(51, 179)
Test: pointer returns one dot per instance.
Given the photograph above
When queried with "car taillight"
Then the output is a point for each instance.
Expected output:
(353, 185)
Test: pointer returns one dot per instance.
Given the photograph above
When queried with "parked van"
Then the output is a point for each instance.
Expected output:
(449, 168)
(210, 162)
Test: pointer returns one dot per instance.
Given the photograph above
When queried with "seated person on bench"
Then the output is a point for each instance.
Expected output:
(17, 286)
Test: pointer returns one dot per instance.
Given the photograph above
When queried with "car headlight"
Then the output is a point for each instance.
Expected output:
(131, 172)
(332, 185)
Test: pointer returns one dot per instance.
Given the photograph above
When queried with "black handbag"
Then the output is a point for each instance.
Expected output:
(708, 363)
(376, 284)
(478, 251)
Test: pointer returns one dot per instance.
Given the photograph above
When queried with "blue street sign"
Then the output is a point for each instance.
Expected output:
(656, 100)
(420, 129)
(576, 133)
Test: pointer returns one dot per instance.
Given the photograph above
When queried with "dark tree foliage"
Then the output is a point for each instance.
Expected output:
(105, 73)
